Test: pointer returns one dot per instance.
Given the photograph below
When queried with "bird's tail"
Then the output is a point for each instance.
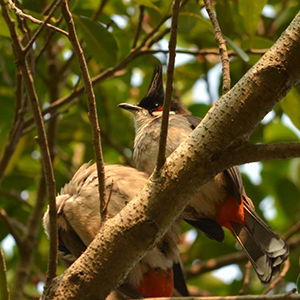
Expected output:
(266, 250)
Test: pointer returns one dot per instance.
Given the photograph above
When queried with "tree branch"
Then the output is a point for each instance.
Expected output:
(169, 88)
(234, 258)
(222, 47)
(228, 123)
(43, 25)
(22, 64)
(10, 227)
(91, 103)
(4, 290)
(245, 297)
(260, 152)
(139, 26)
(21, 14)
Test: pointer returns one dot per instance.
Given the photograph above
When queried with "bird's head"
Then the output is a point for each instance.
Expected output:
(154, 99)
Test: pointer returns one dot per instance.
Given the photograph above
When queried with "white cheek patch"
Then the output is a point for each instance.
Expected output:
(159, 113)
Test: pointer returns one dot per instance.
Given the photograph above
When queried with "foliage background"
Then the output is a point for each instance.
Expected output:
(249, 24)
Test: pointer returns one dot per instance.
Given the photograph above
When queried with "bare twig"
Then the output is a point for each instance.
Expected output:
(42, 138)
(10, 227)
(279, 278)
(292, 231)
(21, 14)
(91, 103)
(109, 197)
(43, 25)
(139, 26)
(17, 126)
(169, 87)
(4, 290)
(108, 73)
(204, 52)
(246, 278)
(245, 297)
(99, 10)
(234, 258)
(222, 47)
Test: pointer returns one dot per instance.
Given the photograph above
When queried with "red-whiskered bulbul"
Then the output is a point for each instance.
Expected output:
(221, 201)
(78, 221)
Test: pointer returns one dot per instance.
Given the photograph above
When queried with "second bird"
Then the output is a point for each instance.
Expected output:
(222, 201)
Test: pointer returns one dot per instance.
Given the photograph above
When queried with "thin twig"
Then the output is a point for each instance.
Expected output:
(279, 278)
(21, 14)
(169, 87)
(40, 29)
(229, 259)
(139, 26)
(4, 289)
(286, 296)
(246, 279)
(204, 51)
(10, 227)
(222, 47)
(42, 138)
(98, 12)
(292, 231)
(109, 197)
(17, 126)
(108, 73)
(91, 103)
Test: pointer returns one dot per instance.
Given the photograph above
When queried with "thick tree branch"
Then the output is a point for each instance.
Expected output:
(230, 122)
(91, 104)
(169, 87)
(222, 47)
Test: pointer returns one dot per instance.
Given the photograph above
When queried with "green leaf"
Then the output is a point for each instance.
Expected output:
(291, 106)
(101, 43)
(240, 52)
(250, 12)
(277, 132)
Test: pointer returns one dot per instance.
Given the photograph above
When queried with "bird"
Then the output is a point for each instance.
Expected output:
(222, 201)
(78, 222)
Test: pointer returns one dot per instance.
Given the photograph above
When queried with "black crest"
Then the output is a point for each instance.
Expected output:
(155, 94)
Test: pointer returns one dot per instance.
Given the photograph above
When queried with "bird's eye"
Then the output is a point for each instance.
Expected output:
(156, 105)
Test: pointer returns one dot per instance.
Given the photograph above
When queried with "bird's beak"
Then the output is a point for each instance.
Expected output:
(130, 107)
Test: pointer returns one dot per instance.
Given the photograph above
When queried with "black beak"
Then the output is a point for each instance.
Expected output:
(129, 107)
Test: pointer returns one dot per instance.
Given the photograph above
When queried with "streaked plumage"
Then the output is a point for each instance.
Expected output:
(78, 221)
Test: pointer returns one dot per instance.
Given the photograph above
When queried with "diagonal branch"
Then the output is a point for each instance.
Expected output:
(169, 87)
(91, 103)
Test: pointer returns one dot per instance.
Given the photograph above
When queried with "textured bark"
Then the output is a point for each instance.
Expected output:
(226, 127)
